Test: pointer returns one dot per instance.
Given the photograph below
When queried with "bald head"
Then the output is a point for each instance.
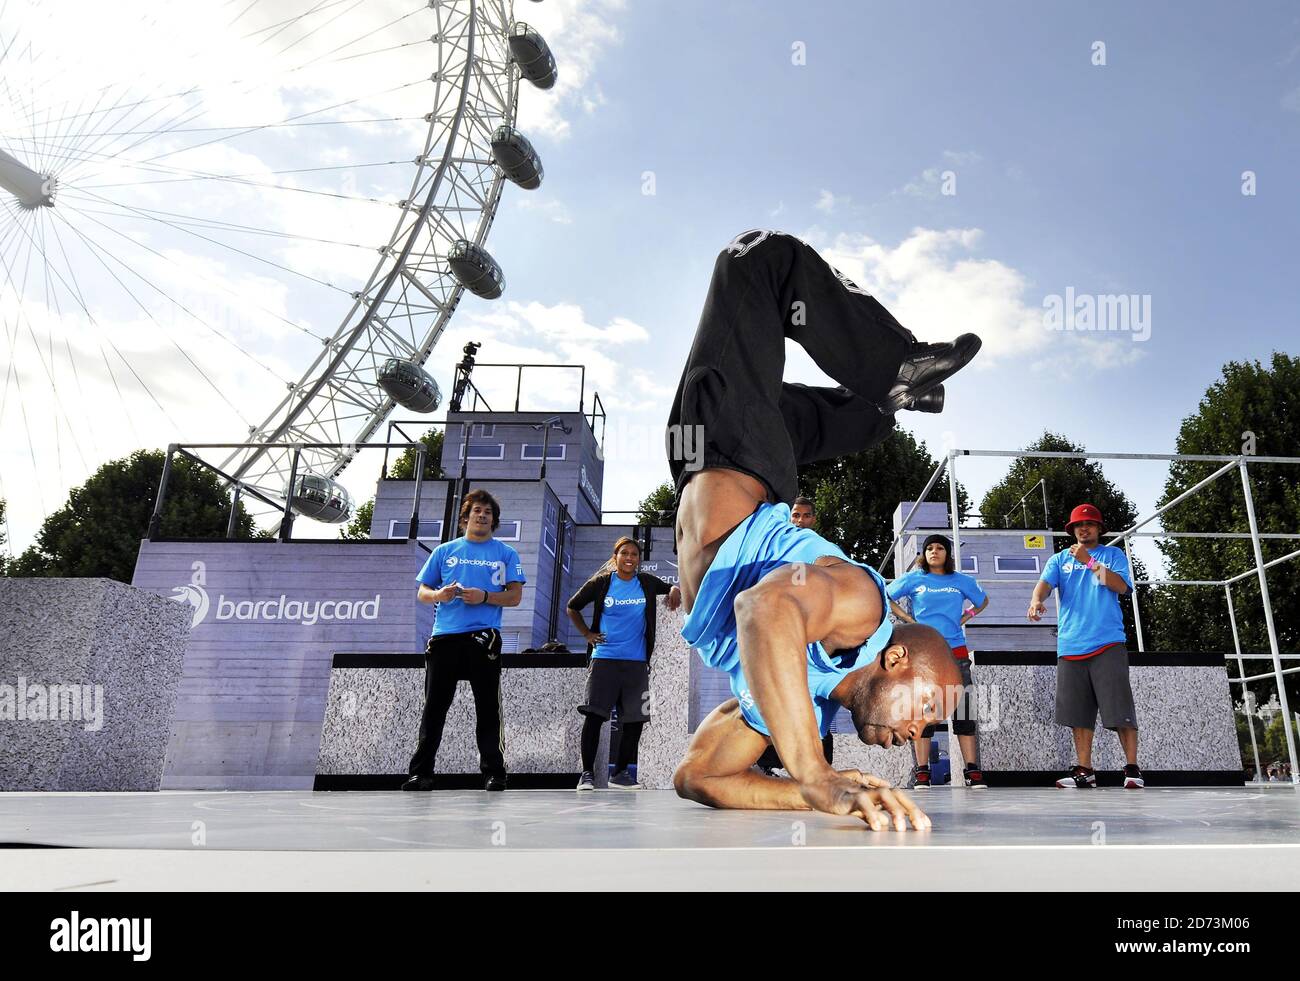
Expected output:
(913, 682)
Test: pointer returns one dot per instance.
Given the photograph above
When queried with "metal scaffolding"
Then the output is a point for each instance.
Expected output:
(1241, 464)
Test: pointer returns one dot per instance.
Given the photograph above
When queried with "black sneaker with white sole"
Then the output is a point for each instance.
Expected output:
(1133, 777)
(974, 777)
(1080, 778)
(587, 781)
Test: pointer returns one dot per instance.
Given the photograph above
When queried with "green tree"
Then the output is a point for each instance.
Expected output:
(1069, 482)
(358, 528)
(656, 508)
(1249, 409)
(98, 531)
(403, 467)
(856, 495)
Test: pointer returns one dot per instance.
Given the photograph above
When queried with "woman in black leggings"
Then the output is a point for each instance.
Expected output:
(622, 638)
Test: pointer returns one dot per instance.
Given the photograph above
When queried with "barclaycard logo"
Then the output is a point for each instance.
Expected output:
(610, 601)
(281, 608)
(196, 597)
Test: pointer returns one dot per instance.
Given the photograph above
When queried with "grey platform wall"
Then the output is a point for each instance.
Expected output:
(123, 649)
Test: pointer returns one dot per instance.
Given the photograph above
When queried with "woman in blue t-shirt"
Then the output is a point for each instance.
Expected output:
(938, 595)
(622, 638)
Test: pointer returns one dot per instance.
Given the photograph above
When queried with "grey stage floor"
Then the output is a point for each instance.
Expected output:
(1239, 838)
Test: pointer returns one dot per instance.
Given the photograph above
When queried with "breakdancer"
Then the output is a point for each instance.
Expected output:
(800, 628)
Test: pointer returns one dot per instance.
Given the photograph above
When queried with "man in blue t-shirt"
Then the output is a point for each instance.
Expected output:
(470, 579)
(1092, 661)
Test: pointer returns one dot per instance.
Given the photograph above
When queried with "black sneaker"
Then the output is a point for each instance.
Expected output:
(586, 781)
(931, 401)
(495, 783)
(921, 778)
(418, 783)
(1133, 777)
(926, 367)
(974, 778)
(1080, 778)
(622, 780)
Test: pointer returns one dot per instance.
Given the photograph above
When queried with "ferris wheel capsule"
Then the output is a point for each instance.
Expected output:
(409, 385)
(321, 498)
(532, 55)
(516, 157)
(476, 270)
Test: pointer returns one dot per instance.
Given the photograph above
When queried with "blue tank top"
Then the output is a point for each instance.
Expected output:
(759, 544)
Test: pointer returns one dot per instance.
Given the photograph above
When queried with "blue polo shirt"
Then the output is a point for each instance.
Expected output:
(486, 565)
(1090, 613)
(622, 621)
(938, 600)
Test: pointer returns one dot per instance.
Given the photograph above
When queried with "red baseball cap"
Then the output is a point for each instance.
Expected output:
(1084, 512)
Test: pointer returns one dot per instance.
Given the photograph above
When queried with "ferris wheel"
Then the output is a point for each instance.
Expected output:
(239, 221)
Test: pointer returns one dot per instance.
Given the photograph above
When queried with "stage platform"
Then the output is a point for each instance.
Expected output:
(1165, 839)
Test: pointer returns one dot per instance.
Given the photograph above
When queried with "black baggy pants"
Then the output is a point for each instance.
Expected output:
(732, 408)
(474, 657)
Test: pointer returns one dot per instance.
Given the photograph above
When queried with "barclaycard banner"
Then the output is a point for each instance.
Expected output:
(267, 619)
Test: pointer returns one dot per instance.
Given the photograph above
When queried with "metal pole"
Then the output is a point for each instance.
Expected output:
(420, 452)
(929, 486)
(1246, 696)
(1268, 620)
(234, 511)
(952, 503)
(1047, 522)
(286, 522)
(1137, 614)
(546, 447)
(519, 386)
(155, 520)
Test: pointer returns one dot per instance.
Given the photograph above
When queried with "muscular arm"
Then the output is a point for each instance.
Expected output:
(716, 770)
(776, 620)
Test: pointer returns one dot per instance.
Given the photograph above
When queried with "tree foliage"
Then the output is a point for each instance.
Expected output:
(358, 528)
(1068, 482)
(856, 495)
(98, 531)
(656, 508)
(403, 468)
(1250, 409)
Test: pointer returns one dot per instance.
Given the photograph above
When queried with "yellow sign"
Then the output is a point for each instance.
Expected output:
(1035, 541)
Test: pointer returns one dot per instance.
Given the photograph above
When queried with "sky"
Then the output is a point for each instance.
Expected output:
(966, 163)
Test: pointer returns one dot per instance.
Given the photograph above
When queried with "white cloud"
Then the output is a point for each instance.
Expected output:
(936, 285)
(925, 185)
(962, 158)
(550, 208)
(827, 202)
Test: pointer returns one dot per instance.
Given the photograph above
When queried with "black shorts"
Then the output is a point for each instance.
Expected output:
(611, 682)
(962, 722)
(1100, 681)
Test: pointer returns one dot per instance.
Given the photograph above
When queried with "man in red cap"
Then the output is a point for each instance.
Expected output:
(1092, 661)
